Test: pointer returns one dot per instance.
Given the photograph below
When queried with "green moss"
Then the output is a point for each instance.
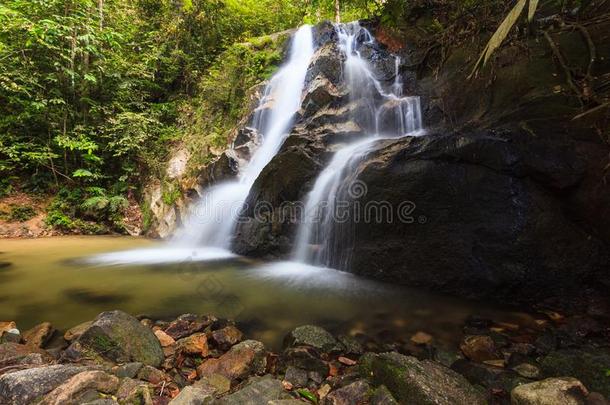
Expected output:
(171, 193)
(147, 217)
(225, 94)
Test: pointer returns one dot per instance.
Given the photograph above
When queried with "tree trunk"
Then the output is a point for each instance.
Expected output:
(337, 11)
(101, 11)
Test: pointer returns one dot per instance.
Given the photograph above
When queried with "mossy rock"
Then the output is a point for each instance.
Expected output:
(418, 382)
(120, 338)
(588, 365)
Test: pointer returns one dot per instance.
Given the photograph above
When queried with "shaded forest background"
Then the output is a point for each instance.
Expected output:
(95, 94)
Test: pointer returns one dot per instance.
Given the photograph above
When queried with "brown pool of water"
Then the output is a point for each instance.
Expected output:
(47, 280)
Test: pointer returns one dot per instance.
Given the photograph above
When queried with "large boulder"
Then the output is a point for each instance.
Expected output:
(588, 365)
(552, 391)
(418, 382)
(22, 387)
(481, 213)
(120, 338)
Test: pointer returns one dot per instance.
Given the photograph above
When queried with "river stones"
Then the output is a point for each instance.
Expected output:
(314, 336)
(258, 391)
(39, 335)
(420, 382)
(589, 365)
(118, 337)
(552, 391)
(24, 386)
(244, 359)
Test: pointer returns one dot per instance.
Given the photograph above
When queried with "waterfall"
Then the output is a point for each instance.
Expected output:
(324, 234)
(214, 217)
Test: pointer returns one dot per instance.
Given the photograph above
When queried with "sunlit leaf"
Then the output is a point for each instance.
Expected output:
(500, 35)
(532, 10)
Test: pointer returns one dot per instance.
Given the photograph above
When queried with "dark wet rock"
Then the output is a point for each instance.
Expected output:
(421, 382)
(129, 370)
(258, 391)
(296, 376)
(306, 358)
(446, 357)
(77, 387)
(117, 337)
(587, 365)
(479, 348)
(518, 215)
(152, 375)
(188, 324)
(351, 344)
(224, 168)
(22, 387)
(314, 336)
(319, 93)
(327, 63)
(383, 396)
(527, 370)
(243, 360)
(478, 374)
(39, 335)
(355, 393)
(226, 337)
(323, 33)
(132, 391)
(193, 396)
(552, 391)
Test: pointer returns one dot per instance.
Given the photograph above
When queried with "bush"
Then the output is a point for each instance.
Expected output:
(21, 213)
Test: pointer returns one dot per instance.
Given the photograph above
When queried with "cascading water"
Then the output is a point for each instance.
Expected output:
(321, 238)
(206, 233)
(214, 218)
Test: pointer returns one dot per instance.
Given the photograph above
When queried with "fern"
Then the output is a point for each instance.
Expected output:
(96, 203)
(117, 204)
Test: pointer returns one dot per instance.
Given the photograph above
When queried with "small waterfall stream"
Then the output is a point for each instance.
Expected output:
(322, 237)
(214, 217)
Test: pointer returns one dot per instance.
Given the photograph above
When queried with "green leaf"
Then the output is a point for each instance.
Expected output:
(82, 173)
(305, 393)
(90, 78)
(532, 10)
(500, 35)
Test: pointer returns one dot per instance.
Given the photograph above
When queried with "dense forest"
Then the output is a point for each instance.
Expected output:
(94, 94)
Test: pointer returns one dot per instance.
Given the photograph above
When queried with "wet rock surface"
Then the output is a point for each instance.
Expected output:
(504, 198)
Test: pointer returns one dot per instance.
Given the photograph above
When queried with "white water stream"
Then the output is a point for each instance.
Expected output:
(322, 238)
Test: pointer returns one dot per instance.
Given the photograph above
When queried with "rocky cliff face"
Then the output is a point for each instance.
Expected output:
(506, 194)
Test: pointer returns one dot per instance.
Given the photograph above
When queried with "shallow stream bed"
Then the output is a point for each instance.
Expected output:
(55, 280)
